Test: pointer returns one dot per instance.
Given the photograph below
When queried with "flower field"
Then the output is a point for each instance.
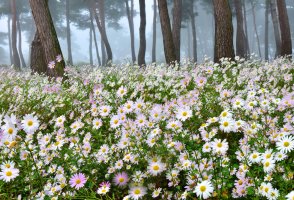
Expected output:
(184, 132)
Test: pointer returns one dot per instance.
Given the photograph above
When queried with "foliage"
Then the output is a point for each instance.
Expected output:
(219, 131)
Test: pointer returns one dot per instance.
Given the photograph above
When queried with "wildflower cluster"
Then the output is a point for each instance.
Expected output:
(217, 131)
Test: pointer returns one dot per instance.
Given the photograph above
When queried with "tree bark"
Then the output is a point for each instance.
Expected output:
(286, 43)
(142, 30)
(241, 40)
(189, 40)
(16, 60)
(101, 28)
(176, 28)
(68, 34)
(154, 32)
(274, 14)
(255, 27)
(194, 37)
(9, 39)
(266, 30)
(223, 46)
(169, 47)
(131, 27)
(23, 63)
(95, 40)
(38, 60)
(90, 46)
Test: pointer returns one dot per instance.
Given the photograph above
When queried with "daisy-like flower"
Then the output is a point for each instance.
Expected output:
(254, 157)
(285, 144)
(268, 165)
(121, 91)
(204, 189)
(78, 181)
(220, 147)
(184, 113)
(104, 188)
(9, 130)
(290, 196)
(156, 168)
(7, 165)
(51, 64)
(59, 58)
(30, 123)
(115, 121)
(137, 192)
(97, 123)
(121, 179)
(227, 125)
(104, 110)
(200, 81)
(156, 192)
(8, 174)
(59, 121)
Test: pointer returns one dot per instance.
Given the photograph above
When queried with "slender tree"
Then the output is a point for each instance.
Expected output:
(101, 10)
(9, 39)
(48, 37)
(245, 27)
(101, 28)
(130, 14)
(16, 60)
(255, 27)
(90, 45)
(176, 28)
(286, 43)
(274, 14)
(68, 33)
(223, 46)
(142, 30)
(169, 47)
(266, 30)
(154, 32)
(95, 40)
(23, 63)
(194, 36)
(241, 39)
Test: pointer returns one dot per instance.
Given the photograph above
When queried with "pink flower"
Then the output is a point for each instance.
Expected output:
(121, 179)
(51, 64)
(59, 58)
(78, 180)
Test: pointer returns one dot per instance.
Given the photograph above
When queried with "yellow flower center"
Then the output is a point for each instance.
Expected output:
(219, 144)
(115, 121)
(137, 191)
(286, 144)
(8, 173)
(254, 156)
(121, 179)
(202, 188)
(30, 123)
(185, 113)
(155, 167)
(226, 124)
(266, 164)
(78, 181)
(10, 131)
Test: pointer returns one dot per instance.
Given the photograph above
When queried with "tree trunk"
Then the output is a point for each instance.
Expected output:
(142, 30)
(16, 61)
(95, 40)
(223, 46)
(274, 14)
(266, 30)
(23, 63)
(131, 27)
(68, 34)
(189, 40)
(255, 27)
(286, 45)
(90, 46)
(241, 40)
(154, 32)
(101, 28)
(48, 37)
(102, 22)
(169, 47)
(176, 31)
(245, 26)
(38, 60)
(194, 37)
(9, 39)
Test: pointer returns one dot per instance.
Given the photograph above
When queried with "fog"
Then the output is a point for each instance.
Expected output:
(120, 38)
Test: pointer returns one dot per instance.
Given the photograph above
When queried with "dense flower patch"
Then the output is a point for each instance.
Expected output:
(189, 132)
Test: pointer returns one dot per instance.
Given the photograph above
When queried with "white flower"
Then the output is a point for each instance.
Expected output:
(30, 123)
(97, 123)
(285, 144)
(137, 192)
(219, 147)
(59, 121)
(254, 157)
(184, 113)
(121, 91)
(9, 130)
(268, 165)
(227, 125)
(9, 174)
(156, 168)
(204, 189)
(290, 196)
(104, 110)
(156, 192)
